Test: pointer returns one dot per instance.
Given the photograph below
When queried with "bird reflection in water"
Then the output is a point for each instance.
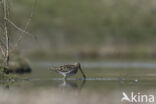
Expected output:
(67, 85)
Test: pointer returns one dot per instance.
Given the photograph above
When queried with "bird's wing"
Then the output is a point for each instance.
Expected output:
(66, 68)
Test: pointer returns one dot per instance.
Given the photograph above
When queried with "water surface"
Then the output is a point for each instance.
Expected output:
(103, 78)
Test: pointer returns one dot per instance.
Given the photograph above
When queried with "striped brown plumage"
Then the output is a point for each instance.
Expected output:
(68, 70)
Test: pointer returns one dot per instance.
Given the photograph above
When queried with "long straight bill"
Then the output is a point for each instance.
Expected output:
(84, 76)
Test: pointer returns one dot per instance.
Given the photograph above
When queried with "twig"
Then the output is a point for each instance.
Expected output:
(27, 24)
(18, 28)
(1, 43)
(6, 33)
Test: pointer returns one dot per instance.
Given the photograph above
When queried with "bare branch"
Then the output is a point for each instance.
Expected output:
(18, 28)
(6, 33)
(27, 24)
(2, 44)
(1, 40)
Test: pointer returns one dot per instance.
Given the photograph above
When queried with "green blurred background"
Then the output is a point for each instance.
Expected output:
(87, 29)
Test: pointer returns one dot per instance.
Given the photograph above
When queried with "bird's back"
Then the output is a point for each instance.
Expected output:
(65, 68)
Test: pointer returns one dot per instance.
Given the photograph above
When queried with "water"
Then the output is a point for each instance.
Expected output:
(99, 74)
(103, 79)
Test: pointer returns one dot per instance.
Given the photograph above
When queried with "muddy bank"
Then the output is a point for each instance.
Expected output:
(18, 67)
(18, 64)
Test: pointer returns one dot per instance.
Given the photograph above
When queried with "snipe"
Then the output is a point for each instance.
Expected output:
(69, 70)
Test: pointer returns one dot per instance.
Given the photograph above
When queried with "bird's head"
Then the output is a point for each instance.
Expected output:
(77, 64)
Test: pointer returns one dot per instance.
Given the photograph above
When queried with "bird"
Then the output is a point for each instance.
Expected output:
(69, 70)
